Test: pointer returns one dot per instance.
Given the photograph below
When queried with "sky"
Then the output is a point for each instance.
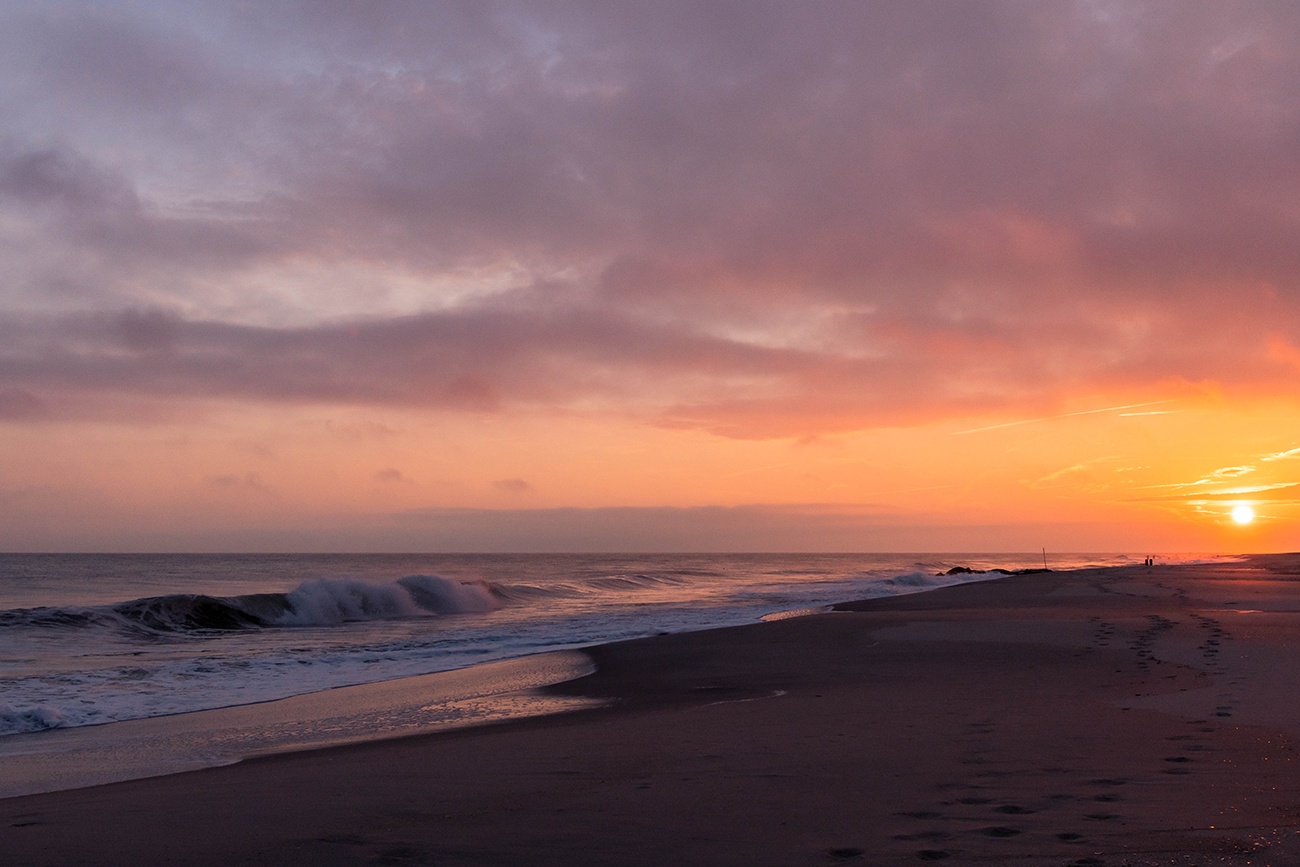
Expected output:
(681, 276)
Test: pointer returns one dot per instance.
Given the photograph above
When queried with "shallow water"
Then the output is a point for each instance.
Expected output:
(93, 639)
(71, 758)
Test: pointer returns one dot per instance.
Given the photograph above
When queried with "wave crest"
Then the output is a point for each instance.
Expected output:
(319, 602)
(331, 601)
(14, 720)
(912, 580)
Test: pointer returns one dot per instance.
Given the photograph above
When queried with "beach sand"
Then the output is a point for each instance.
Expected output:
(1134, 716)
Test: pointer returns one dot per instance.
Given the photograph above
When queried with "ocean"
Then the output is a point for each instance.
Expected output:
(110, 642)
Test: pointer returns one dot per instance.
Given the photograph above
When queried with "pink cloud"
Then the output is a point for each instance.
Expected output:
(760, 219)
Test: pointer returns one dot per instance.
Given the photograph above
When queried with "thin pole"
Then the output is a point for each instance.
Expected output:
(1044, 558)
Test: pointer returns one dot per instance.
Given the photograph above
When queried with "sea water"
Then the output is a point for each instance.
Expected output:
(119, 666)
(93, 639)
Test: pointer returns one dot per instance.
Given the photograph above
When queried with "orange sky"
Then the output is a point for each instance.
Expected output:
(399, 480)
(703, 276)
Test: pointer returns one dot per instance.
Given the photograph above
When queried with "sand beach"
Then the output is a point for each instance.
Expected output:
(1130, 716)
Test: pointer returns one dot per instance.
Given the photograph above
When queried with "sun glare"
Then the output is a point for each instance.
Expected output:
(1243, 514)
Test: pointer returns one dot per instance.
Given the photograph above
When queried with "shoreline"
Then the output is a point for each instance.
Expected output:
(486, 693)
(67, 759)
(1126, 715)
(384, 632)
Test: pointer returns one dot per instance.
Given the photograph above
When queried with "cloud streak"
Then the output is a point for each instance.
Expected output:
(758, 219)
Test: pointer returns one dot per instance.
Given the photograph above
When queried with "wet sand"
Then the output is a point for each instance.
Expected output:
(1133, 716)
(74, 758)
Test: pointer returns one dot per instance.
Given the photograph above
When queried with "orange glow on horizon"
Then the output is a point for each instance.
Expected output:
(1077, 480)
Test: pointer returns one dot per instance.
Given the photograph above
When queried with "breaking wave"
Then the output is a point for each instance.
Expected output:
(35, 718)
(319, 602)
(325, 602)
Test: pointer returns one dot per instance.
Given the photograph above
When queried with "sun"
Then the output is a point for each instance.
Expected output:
(1243, 514)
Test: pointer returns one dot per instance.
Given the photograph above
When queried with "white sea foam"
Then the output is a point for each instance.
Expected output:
(916, 580)
(443, 596)
(331, 601)
(33, 718)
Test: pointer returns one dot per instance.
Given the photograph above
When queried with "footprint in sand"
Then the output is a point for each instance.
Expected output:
(344, 839)
(846, 853)
(401, 856)
(1001, 831)
(924, 837)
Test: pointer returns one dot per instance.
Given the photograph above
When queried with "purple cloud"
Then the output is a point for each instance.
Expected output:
(755, 218)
